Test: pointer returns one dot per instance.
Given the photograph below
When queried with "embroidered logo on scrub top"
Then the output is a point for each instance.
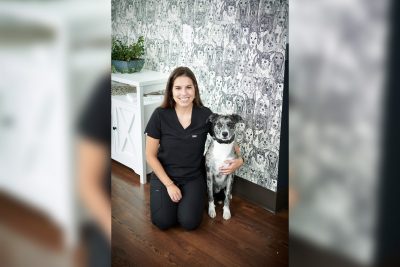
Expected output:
(194, 135)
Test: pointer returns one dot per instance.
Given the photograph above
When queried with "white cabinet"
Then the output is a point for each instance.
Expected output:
(130, 114)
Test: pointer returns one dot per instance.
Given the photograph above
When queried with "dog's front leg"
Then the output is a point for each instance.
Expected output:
(227, 212)
(211, 205)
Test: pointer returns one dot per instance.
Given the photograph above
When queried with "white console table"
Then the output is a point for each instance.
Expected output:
(130, 114)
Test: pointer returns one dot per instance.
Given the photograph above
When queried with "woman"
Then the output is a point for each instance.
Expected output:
(94, 171)
(176, 135)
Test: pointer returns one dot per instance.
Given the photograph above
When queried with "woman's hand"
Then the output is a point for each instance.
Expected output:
(231, 166)
(174, 193)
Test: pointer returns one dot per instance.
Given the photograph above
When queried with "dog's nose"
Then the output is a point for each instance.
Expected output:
(224, 134)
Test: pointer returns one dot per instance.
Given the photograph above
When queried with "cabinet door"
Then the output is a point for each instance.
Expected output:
(114, 131)
(127, 136)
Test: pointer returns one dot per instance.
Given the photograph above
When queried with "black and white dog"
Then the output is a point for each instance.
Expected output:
(220, 149)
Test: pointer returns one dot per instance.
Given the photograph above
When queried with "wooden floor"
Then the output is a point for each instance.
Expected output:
(252, 237)
(31, 238)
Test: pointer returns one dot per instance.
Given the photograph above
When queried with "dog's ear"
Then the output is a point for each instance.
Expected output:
(211, 118)
(236, 118)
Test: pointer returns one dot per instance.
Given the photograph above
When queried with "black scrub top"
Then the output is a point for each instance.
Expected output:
(181, 150)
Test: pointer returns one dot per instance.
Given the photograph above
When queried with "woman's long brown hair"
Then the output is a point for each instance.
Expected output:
(169, 101)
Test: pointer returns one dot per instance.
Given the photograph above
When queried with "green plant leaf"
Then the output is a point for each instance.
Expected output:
(122, 51)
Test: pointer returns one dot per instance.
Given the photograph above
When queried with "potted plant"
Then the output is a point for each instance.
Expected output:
(127, 58)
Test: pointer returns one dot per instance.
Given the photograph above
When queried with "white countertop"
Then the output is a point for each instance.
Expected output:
(142, 78)
(132, 98)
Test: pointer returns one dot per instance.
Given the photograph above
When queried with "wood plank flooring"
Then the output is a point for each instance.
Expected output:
(29, 237)
(252, 237)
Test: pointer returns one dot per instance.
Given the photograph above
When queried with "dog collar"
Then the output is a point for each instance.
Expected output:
(224, 141)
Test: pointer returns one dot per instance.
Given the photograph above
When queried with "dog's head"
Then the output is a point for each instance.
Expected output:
(230, 52)
(250, 103)
(218, 31)
(263, 140)
(219, 54)
(218, 82)
(239, 102)
(201, 5)
(275, 123)
(173, 7)
(247, 83)
(150, 5)
(251, 67)
(269, 8)
(241, 66)
(249, 135)
(268, 89)
(263, 24)
(281, 18)
(200, 54)
(152, 46)
(269, 44)
(245, 28)
(272, 157)
(264, 60)
(229, 69)
(259, 156)
(240, 127)
(279, 87)
(241, 50)
(262, 107)
(253, 39)
(235, 31)
(230, 6)
(243, 4)
(223, 127)
(260, 123)
(209, 51)
(181, 3)
(276, 105)
(278, 59)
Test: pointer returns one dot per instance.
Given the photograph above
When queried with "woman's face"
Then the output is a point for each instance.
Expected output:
(183, 91)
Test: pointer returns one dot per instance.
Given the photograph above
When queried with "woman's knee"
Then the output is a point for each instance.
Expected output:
(163, 223)
(190, 223)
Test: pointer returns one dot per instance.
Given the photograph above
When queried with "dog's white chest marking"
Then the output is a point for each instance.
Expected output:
(222, 152)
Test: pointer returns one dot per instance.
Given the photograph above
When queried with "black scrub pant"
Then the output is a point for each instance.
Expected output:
(98, 246)
(188, 212)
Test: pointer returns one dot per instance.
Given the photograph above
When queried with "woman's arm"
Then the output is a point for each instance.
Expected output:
(92, 164)
(151, 157)
(233, 164)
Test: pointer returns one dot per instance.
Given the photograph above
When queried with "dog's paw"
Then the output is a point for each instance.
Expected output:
(227, 213)
(211, 210)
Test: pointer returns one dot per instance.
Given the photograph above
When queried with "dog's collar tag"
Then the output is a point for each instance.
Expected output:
(194, 135)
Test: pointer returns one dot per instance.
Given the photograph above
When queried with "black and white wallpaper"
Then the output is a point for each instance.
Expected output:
(236, 48)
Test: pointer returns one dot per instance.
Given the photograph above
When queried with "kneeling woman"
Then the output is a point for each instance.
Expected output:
(176, 135)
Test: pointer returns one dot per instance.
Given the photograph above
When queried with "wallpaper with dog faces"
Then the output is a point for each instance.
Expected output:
(236, 48)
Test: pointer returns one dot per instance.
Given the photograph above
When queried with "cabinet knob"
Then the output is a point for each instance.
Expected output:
(114, 128)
